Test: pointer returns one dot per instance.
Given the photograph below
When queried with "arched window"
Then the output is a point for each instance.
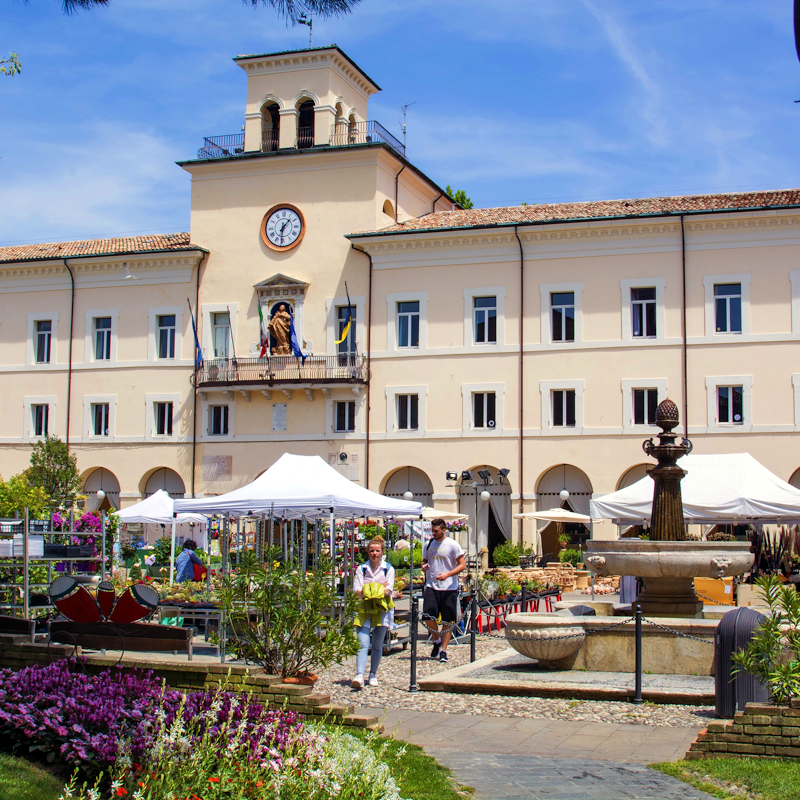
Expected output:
(106, 480)
(388, 208)
(270, 127)
(168, 480)
(305, 124)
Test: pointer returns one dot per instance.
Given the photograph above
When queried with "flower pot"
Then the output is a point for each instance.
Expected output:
(309, 679)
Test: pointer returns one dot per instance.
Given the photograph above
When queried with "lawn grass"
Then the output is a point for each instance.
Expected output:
(22, 780)
(775, 780)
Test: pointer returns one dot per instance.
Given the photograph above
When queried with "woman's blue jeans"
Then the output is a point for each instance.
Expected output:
(377, 635)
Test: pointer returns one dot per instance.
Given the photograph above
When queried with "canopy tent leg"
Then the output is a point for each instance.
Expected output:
(172, 554)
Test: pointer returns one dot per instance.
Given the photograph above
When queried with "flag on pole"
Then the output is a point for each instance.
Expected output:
(198, 350)
(296, 351)
(264, 340)
(348, 317)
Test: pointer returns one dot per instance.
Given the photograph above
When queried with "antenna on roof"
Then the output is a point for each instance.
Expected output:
(403, 126)
(307, 20)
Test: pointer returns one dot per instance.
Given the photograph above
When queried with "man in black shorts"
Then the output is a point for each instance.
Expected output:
(442, 560)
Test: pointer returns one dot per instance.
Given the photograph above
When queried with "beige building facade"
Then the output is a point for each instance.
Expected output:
(529, 344)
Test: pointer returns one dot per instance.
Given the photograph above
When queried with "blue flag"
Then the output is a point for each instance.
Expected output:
(198, 351)
(296, 351)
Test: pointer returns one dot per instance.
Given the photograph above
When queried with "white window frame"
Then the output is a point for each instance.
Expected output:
(152, 336)
(796, 388)
(499, 293)
(467, 391)
(391, 328)
(336, 404)
(710, 313)
(332, 328)
(30, 355)
(546, 289)
(563, 392)
(392, 393)
(340, 396)
(150, 400)
(88, 420)
(88, 342)
(627, 386)
(546, 388)
(27, 419)
(217, 399)
(659, 284)
(207, 340)
(712, 384)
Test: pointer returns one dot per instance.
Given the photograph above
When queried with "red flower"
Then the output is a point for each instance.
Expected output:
(213, 780)
(122, 791)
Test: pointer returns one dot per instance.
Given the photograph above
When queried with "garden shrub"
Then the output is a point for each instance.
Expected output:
(506, 555)
(570, 556)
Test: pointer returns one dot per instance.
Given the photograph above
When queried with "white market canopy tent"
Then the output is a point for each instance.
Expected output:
(725, 488)
(301, 486)
(158, 509)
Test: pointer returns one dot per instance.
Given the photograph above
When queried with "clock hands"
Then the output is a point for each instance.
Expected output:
(283, 228)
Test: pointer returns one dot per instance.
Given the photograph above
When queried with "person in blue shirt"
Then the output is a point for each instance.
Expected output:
(184, 563)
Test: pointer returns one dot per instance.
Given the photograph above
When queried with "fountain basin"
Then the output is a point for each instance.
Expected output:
(552, 639)
(669, 569)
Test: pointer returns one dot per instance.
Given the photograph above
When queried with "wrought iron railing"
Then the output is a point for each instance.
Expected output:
(346, 133)
(231, 144)
(305, 138)
(347, 368)
(269, 141)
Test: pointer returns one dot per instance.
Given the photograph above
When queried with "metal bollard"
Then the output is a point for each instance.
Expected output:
(524, 596)
(637, 697)
(412, 686)
(473, 626)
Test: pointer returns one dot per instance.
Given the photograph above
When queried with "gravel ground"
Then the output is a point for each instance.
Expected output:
(393, 693)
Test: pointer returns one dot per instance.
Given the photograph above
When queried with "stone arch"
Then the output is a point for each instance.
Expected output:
(409, 479)
(270, 109)
(270, 99)
(633, 475)
(795, 479)
(166, 479)
(492, 525)
(101, 478)
(304, 95)
(548, 495)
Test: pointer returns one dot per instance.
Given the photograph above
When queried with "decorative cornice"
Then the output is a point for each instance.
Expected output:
(105, 265)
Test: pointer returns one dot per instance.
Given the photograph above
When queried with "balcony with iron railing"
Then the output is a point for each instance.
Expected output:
(343, 134)
(345, 369)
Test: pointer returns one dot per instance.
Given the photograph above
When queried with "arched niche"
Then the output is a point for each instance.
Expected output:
(409, 479)
(632, 475)
(388, 208)
(166, 479)
(548, 495)
(489, 520)
(95, 480)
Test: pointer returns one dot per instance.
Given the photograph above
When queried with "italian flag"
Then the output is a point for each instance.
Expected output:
(264, 341)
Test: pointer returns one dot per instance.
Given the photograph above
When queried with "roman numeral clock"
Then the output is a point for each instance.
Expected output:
(283, 227)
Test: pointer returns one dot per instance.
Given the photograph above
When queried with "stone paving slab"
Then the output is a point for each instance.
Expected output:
(499, 776)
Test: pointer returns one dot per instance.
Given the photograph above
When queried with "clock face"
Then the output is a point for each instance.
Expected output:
(282, 227)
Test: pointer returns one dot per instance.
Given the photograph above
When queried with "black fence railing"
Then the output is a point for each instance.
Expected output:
(346, 133)
(269, 141)
(231, 144)
(282, 371)
(305, 138)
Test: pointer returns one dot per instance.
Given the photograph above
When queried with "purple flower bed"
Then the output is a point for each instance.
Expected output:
(80, 719)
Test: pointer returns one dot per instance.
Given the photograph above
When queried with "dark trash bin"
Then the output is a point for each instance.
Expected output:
(734, 689)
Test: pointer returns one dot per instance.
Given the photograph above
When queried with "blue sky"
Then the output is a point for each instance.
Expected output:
(516, 100)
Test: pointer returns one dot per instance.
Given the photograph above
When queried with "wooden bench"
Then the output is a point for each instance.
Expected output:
(138, 637)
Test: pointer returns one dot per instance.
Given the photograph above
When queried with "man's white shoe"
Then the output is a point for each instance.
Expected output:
(357, 682)
(373, 681)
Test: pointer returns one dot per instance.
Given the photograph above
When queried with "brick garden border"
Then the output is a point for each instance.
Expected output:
(760, 731)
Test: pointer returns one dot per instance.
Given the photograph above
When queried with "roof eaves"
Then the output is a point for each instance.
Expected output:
(107, 254)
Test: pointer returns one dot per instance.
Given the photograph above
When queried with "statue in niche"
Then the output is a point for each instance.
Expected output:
(280, 328)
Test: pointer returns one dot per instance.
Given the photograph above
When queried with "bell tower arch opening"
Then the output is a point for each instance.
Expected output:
(270, 127)
(305, 124)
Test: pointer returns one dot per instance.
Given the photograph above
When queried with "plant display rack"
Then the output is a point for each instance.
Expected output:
(21, 566)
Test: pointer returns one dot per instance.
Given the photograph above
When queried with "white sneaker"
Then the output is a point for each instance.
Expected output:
(357, 682)
(373, 681)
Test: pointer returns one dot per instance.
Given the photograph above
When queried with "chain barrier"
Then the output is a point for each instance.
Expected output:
(676, 633)
(715, 602)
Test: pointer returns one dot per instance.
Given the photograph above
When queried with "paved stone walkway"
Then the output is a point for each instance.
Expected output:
(507, 758)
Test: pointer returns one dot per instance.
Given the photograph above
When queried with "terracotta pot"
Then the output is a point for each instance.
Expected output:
(309, 679)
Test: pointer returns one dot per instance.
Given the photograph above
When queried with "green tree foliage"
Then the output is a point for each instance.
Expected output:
(10, 66)
(55, 470)
(17, 494)
(460, 197)
(289, 10)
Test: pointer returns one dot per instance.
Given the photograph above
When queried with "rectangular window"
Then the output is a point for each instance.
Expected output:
(728, 307)
(163, 415)
(217, 420)
(221, 333)
(100, 417)
(41, 419)
(564, 408)
(102, 338)
(407, 412)
(643, 313)
(349, 344)
(346, 416)
(562, 314)
(645, 402)
(485, 313)
(730, 405)
(166, 336)
(484, 410)
(408, 324)
(44, 330)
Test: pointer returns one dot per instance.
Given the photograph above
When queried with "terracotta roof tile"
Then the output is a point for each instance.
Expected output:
(97, 247)
(603, 209)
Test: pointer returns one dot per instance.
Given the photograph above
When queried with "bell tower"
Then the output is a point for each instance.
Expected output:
(300, 99)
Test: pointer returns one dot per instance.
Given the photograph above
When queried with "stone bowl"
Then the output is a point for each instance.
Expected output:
(669, 559)
(539, 636)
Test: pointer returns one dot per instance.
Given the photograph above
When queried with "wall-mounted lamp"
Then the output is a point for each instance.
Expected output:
(466, 476)
(485, 476)
(451, 476)
(503, 474)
